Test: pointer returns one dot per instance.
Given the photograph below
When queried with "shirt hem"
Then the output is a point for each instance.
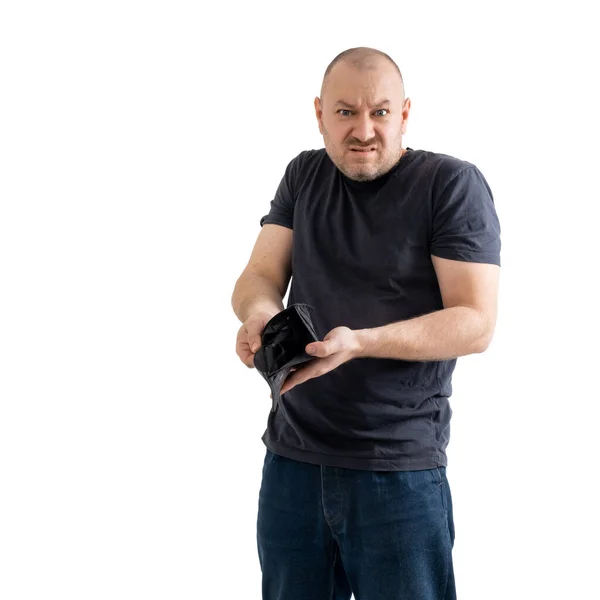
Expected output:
(350, 462)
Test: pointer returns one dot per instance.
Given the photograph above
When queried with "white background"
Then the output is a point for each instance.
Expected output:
(140, 145)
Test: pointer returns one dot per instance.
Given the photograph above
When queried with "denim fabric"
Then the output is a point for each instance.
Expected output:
(324, 533)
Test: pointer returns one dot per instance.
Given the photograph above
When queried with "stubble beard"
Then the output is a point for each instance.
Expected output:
(365, 172)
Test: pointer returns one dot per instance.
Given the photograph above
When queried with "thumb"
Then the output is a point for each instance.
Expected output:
(254, 341)
(319, 349)
(254, 329)
(329, 345)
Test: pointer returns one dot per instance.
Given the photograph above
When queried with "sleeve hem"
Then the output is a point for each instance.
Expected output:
(270, 220)
(474, 257)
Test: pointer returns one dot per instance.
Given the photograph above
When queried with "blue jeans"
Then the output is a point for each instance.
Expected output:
(327, 532)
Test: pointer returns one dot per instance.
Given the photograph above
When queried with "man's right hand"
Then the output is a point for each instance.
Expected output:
(249, 337)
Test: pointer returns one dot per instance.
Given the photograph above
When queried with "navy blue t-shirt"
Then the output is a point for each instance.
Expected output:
(361, 258)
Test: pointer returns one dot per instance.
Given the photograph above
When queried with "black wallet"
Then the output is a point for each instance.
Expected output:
(284, 339)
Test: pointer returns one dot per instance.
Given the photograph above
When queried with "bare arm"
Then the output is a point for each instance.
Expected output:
(263, 283)
(464, 326)
(259, 291)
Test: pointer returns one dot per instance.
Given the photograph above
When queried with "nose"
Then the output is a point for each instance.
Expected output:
(363, 129)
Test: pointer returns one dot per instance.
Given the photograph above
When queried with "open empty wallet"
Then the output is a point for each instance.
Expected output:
(284, 340)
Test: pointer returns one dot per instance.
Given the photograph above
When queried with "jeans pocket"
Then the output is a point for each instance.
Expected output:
(440, 479)
(437, 476)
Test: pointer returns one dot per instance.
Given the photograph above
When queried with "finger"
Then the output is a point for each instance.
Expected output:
(322, 349)
(254, 340)
(248, 360)
(251, 335)
(246, 356)
(302, 375)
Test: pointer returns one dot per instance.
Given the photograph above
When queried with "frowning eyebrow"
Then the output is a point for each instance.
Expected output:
(351, 106)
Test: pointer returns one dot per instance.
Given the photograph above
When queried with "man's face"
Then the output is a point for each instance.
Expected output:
(362, 116)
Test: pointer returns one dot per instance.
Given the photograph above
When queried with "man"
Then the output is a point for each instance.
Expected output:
(398, 252)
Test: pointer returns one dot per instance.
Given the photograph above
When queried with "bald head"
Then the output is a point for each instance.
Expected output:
(362, 113)
(362, 59)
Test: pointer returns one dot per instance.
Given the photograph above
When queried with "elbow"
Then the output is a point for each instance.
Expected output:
(480, 347)
(234, 296)
(486, 328)
(483, 342)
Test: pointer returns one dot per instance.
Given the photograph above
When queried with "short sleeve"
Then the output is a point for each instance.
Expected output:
(465, 223)
(282, 206)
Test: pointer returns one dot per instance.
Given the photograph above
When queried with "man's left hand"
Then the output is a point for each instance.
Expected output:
(339, 346)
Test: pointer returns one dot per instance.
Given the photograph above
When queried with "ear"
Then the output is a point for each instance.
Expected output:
(405, 114)
(319, 113)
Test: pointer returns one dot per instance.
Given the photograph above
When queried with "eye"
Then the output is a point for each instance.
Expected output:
(382, 110)
(344, 112)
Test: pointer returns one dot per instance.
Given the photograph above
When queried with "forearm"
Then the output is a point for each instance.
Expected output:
(441, 335)
(255, 293)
